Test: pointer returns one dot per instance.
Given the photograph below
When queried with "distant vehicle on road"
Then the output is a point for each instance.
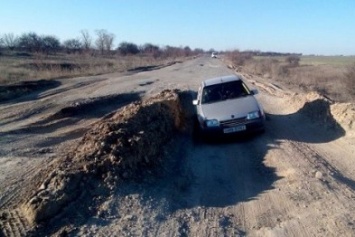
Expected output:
(213, 55)
(225, 105)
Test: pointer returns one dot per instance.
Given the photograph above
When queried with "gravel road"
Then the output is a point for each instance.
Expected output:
(296, 179)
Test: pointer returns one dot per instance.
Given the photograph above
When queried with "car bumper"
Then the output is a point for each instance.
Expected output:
(247, 127)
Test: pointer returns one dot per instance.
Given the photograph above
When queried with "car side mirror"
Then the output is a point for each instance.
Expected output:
(195, 102)
(254, 92)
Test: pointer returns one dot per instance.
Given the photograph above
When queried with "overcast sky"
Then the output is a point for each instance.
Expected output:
(324, 27)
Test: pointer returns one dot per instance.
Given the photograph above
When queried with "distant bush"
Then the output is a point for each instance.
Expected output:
(126, 48)
(293, 60)
(73, 46)
(32, 42)
(175, 52)
(239, 58)
(268, 67)
(50, 44)
(151, 49)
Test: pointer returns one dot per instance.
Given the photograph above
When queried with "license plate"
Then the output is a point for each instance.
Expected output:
(235, 129)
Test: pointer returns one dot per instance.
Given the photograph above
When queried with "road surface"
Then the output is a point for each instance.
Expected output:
(296, 179)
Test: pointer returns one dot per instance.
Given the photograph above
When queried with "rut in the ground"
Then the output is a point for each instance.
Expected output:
(13, 223)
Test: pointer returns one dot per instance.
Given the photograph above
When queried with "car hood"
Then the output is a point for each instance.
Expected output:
(228, 109)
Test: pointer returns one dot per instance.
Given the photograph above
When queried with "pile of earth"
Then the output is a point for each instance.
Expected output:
(327, 112)
(344, 114)
(122, 145)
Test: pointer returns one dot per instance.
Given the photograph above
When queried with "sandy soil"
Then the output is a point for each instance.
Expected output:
(115, 155)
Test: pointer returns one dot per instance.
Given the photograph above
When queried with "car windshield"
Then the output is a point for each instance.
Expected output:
(224, 91)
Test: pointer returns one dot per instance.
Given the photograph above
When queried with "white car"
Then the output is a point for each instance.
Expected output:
(213, 55)
(225, 105)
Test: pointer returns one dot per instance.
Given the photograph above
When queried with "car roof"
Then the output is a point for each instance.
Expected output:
(219, 80)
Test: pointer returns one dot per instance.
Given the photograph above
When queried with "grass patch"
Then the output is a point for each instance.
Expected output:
(16, 67)
(331, 76)
(327, 60)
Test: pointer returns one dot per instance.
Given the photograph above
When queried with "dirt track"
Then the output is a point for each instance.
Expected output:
(297, 179)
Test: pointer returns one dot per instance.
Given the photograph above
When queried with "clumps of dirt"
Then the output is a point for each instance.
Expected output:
(122, 145)
(327, 112)
(344, 114)
(317, 108)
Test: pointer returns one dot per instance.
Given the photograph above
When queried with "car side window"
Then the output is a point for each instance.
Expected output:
(205, 96)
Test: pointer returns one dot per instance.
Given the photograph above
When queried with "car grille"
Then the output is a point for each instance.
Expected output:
(233, 122)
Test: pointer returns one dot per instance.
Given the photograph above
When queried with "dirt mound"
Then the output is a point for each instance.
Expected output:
(122, 145)
(318, 108)
(324, 111)
(344, 113)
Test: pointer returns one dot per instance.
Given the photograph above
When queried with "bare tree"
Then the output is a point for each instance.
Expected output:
(10, 41)
(1, 45)
(100, 41)
(108, 41)
(104, 41)
(86, 39)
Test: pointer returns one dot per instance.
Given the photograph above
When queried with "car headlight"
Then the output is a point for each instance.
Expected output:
(253, 115)
(212, 123)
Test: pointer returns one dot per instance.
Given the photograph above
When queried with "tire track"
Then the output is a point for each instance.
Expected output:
(12, 223)
(15, 183)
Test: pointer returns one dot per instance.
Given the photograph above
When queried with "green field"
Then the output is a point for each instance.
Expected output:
(317, 60)
(327, 60)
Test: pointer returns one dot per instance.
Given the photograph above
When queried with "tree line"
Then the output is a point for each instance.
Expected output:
(102, 43)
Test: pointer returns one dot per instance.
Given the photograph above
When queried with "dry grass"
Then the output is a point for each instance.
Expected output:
(239, 58)
(16, 67)
(349, 79)
(333, 77)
